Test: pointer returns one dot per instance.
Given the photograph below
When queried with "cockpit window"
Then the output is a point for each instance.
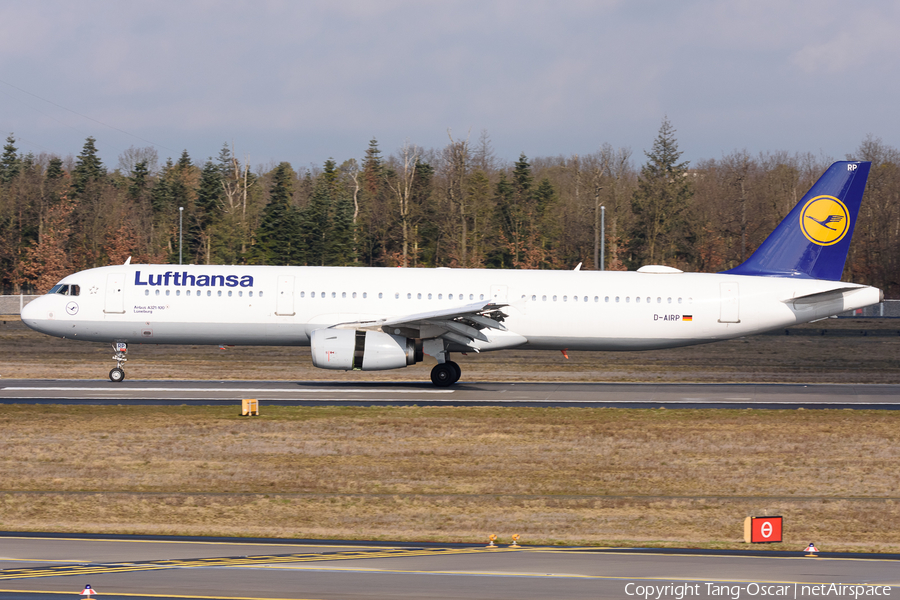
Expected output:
(65, 289)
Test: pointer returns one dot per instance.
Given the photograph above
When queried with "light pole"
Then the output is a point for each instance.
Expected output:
(602, 238)
(180, 235)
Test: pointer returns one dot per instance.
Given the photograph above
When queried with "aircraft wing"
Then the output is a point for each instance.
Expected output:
(462, 325)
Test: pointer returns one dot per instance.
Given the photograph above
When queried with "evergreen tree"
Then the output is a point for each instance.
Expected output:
(139, 181)
(10, 164)
(55, 168)
(161, 197)
(88, 168)
(317, 217)
(659, 233)
(278, 239)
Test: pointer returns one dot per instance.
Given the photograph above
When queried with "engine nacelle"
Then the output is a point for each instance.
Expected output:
(351, 349)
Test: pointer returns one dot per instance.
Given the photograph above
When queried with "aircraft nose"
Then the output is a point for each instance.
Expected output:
(30, 311)
(35, 313)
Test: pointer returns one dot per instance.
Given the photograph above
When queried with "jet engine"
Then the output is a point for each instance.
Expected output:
(352, 349)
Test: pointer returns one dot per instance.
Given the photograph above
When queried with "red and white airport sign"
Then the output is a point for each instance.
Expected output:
(762, 529)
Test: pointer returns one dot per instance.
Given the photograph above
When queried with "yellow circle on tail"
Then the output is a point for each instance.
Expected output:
(824, 220)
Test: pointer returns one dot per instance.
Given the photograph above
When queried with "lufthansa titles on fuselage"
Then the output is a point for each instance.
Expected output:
(185, 279)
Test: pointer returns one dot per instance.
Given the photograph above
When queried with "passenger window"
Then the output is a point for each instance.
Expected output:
(481, 297)
(240, 293)
(533, 298)
(250, 294)
(177, 292)
(419, 296)
(146, 292)
(302, 294)
(334, 294)
(440, 296)
(627, 299)
(586, 298)
(229, 293)
(565, 298)
(605, 300)
(343, 294)
(429, 296)
(260, 294)
(220, 293)
(157, 292)
(679, 301)
(543, 298)
(670, 300)
(408, 296)
(659, 300)
(471, 296)
(554, 297)
(187, 292)
(617, 298)
(574, 298)
(354, 294)
(637, 300)
(396, 295)
(208, 293)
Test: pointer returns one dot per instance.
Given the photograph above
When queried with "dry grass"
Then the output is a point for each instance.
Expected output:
(670, 477)
(767, 358)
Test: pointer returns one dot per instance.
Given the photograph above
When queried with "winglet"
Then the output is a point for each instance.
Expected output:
(812, 241)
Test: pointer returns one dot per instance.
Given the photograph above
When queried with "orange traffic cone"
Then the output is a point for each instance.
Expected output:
(515, 541)
(492, 538)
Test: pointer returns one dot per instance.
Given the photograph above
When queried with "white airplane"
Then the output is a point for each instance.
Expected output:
(386, 318)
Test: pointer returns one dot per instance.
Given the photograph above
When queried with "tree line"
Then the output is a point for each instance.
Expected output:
(456, 206)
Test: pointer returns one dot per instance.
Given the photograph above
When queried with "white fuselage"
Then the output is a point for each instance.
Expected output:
(577, 310)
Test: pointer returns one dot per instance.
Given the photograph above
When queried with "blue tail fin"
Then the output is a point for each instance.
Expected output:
(812, 241)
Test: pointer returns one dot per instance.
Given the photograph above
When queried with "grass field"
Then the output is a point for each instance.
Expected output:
(594, 476)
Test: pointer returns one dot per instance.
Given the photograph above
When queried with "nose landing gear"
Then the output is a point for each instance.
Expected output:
(117, 374)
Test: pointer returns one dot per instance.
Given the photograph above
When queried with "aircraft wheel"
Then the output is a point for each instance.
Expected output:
(456, 370)
(443, 375)
(117, 375)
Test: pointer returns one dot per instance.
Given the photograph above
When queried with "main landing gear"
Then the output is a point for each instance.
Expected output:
(445, 374)
(117, 374)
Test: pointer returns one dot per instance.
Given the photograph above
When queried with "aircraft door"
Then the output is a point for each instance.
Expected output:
(284, 303)
(729, 303)
(115, 294)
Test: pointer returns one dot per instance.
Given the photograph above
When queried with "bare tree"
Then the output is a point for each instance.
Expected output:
(402, 186)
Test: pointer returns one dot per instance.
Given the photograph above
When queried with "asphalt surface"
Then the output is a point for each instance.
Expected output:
(623, 395)
(129, 567)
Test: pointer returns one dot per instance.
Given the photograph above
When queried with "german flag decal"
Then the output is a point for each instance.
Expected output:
(687, 317)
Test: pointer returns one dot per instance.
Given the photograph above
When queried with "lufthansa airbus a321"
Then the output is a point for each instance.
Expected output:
(379, 318)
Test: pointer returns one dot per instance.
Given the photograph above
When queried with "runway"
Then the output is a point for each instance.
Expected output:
(129, 567)
(596, 395)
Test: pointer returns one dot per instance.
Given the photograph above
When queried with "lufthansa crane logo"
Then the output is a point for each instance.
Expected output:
(824, 220)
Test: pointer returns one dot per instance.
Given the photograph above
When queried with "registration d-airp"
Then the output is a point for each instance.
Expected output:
(386, 318)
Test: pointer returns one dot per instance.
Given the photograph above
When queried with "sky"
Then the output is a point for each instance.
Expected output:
(306, 81)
